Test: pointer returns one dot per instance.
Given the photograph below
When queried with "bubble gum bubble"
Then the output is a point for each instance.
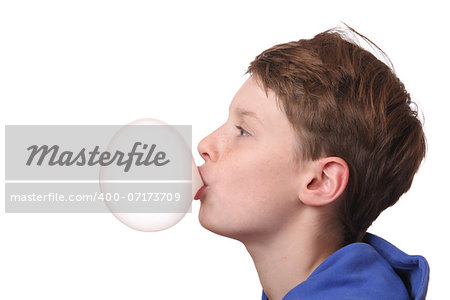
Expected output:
(149, 221)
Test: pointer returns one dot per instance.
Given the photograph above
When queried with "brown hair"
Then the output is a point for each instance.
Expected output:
(342, 101)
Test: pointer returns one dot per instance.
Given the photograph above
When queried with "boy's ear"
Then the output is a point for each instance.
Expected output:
(325, 180)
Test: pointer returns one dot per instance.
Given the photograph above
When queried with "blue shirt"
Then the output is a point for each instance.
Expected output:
(372, 269)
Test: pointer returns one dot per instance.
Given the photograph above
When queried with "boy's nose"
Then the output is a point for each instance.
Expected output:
(206, 149)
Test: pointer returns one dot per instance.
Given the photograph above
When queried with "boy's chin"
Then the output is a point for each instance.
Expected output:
(213, 225)
(225, 229)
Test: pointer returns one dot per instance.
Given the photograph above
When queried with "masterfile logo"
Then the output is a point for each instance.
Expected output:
(91, 158)
(56, 168)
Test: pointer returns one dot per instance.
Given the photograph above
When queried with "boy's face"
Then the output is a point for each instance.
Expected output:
(250, 172)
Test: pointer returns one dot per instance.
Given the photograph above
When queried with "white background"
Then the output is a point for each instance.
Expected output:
(111, 62)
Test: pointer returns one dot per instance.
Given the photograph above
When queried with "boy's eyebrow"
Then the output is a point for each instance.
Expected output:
(248, 113)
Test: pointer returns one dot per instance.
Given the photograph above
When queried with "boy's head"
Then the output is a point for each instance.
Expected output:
(336, 138)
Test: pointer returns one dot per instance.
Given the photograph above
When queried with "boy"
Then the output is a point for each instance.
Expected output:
(320, 140)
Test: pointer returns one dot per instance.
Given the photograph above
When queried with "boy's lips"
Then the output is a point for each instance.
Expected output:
(201, 191)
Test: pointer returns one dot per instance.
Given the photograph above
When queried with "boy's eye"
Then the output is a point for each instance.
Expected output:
(243, 132)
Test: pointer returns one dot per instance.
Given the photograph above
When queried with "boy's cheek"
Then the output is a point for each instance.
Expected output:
(244, 204)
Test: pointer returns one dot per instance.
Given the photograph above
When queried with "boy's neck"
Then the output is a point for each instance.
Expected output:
(286, 258)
